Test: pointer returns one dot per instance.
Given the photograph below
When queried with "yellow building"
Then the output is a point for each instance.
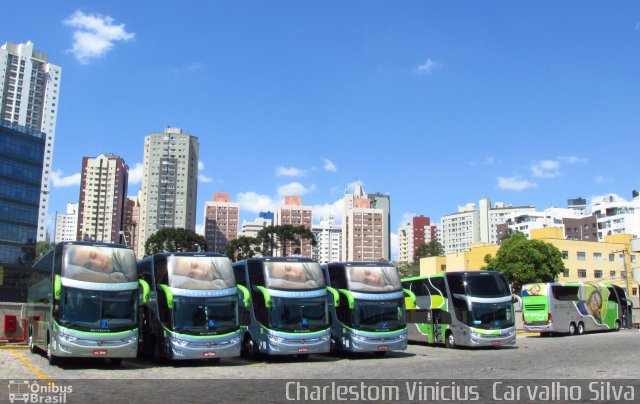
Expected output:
(611, 261)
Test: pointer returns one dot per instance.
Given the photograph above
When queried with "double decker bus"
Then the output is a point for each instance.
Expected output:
(467, 308)
(287, 313)
(192, 312)
(574, 308)
(83, 302)
(366, 307)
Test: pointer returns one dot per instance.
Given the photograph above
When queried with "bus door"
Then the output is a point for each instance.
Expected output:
(423, 319)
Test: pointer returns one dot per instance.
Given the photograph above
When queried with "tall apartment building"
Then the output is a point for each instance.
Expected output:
(616, 215)
(251, 229)
(169, 183)
(21, 161)
(103, 196)
(405, 242)
(29, 97)
(296, 214)
(383, 201)
(470, 225)
(575, 224)
(67, 224)
(413, 235)
(132, 222)
(362, 228)
(329, 242)
(220, 222)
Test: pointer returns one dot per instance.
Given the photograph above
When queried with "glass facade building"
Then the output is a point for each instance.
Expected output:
(21, 166)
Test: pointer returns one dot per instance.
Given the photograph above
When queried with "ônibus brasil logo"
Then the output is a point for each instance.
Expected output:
(25, 391)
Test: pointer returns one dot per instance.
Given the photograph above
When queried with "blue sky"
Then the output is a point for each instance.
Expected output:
(438, 103)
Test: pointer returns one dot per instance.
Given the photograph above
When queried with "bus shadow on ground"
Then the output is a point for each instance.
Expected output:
(381, 355)
(465, 348)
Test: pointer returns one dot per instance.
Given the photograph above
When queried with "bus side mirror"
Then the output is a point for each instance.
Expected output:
(336, 296)
(266, 295)
(146, 290)
(410, 299)
(169, 295)
(349, 296)
(57, 287)
(246, 297)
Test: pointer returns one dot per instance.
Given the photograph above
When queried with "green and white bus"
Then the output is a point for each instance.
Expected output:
(574, 308)
(192, 312)
(83, 302)
(366, 307)
(467, 308)
(287, 312)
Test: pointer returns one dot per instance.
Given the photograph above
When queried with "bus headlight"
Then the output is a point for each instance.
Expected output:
(234, 340)
(359, 337)
(67, 337)
(325, 338)
(402, 336)
(179, 342)
(130, 340)
(276, 339)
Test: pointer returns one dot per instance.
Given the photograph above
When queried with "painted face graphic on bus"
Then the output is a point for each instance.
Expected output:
(195, 268)
(367, 276)
(291, 273)
(92, 258)
(534, 290)
(594, 303)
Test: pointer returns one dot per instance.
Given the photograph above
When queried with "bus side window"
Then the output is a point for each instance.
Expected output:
(439, 284)
(163, 308)
(343, 312)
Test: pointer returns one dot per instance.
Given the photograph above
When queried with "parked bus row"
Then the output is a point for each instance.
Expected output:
(94, 300)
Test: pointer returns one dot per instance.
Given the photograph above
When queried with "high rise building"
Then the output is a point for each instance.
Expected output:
(413, 235)
(251, 229)
(328, 246)
(29, 97)
(169, 183)
(405, 242)
(362, 228)
(220, 222)
(103, 196)
(383, 201)
(131, 222)
(615, 215)
(296, 214)
(21, 161)
(67, 224)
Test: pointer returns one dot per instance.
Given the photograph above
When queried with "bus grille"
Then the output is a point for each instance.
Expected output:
(535, 307)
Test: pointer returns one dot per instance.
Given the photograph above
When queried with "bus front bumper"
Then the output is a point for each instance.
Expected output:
(360, 341)
(276, 343)
(547, 327)
(506, 337)
(67, 343)
(191, 347)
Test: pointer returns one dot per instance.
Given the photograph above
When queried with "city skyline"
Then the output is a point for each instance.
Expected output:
(437, 105)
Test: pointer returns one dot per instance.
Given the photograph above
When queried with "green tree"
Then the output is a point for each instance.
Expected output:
(281, 237)
(243, 247)
(174, 240)
(431, 249)
(42, 247)
(406, 270)
(525, 261)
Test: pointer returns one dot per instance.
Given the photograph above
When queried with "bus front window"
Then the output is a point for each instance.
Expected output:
(205, 316)
(298, 315)
(383, 315)
(490, 316)
(86, 309)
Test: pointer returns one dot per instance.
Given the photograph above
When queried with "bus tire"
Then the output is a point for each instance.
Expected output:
(32, 344)
(450, 340)
(580, 328)
(249, 348)
(572, 328)
(53, 361)
(335, 348)
(618, 325)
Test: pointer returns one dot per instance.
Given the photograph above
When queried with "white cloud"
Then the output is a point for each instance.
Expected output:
(514, 183)
(573, 159)
(95, 35)
(200, 165)
(329, 166)
(135, 173)
(427, 67)
(204, 179)
(545, 169)
(326, 211)
(60, 182)
(200, 229)
(294, 188)
(255, 203)
(489, 160)
(290, 172)
(395, 253)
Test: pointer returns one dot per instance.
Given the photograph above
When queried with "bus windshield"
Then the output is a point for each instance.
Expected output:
(486, 285)
(205, 316)
(492, 316)
(104, 310)
(378, 315)
(299, 315)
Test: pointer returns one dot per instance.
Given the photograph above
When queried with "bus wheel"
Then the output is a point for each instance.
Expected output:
(580, 328)
(450, 340)
(572, 329)
(249, 349)
(115, 362)
(618, 325)
(32, 345)
(53, 361)
(334, 346)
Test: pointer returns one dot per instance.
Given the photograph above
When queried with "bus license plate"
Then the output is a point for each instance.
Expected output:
(496, 342)
(209, 354)
(383, 348)
(99, 352)
(303, 349)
